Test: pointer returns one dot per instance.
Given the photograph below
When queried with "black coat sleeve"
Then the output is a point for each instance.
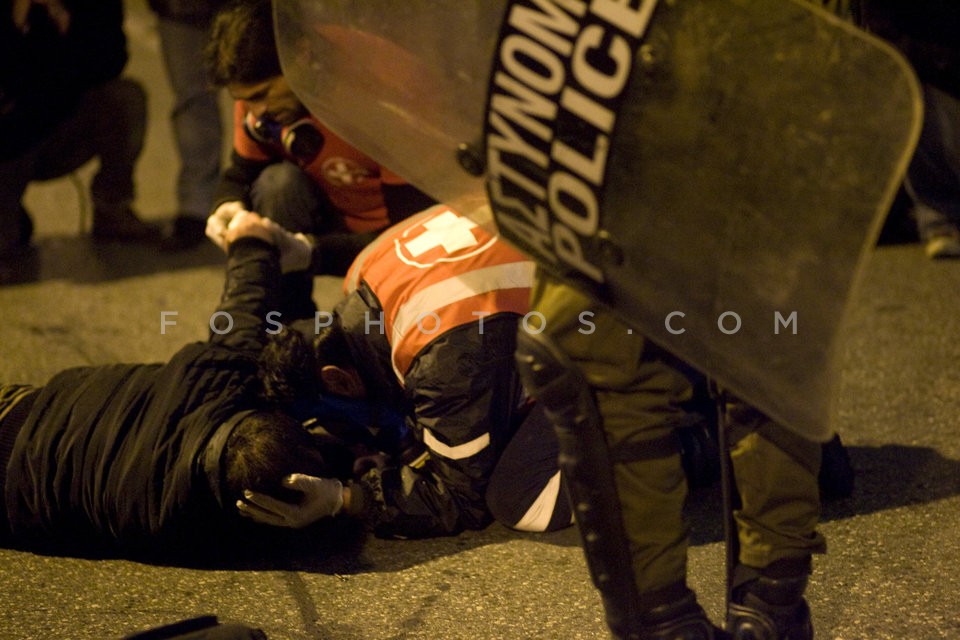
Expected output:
(334, 252)
(250, 293)
(466, 396)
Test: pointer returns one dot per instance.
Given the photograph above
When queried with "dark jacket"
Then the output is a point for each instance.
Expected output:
(43, 73)
(463, 382)
(111, 456)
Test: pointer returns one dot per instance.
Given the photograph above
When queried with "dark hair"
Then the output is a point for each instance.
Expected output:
(242, 47)
(330, 346)
(263, 448)
(287, 368)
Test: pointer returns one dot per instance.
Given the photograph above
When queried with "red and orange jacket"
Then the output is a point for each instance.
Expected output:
(351, 180)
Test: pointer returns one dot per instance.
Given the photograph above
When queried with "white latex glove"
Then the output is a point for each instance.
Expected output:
(296, 250)
(220, 220)
(322, 498)
(247, 224)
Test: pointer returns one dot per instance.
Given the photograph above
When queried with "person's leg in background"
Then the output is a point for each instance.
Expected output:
(933, 178)
(197, 129)
(16, 226)
(110, 124)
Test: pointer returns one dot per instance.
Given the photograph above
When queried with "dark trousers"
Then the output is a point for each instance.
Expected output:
(109, 124)
(526, 490)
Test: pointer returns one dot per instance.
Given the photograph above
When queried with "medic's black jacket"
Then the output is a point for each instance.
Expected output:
(456, 381)
(110, 456)
(464, 378)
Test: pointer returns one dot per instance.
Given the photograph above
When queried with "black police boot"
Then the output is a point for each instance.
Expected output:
(26, 226)
(682, 619)
(768, 608)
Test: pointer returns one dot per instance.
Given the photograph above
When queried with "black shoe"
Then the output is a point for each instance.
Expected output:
(120, 223)
(20, 238)
(683, 619)
(184, 233)
(20, 261)
(770, 609)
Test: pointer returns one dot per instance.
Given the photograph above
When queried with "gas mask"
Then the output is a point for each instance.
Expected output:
(301, 140)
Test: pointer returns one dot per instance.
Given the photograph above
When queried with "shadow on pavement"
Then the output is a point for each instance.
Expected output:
(887, 477)
(340, 547)
(894, 475)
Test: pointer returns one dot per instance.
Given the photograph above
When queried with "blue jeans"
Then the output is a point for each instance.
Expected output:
(197, 126)
(294, 200)
(933, 178)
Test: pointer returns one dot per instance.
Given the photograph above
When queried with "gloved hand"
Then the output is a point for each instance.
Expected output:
(220, 220)
(322, 497)
(296, 250)
(247, 224)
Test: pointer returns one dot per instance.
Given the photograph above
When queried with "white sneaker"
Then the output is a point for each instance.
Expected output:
(943, 245)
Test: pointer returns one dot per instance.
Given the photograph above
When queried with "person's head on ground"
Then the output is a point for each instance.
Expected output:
(263, 449)
(241, 55)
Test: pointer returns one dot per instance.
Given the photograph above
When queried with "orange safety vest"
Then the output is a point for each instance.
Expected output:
(437, 271)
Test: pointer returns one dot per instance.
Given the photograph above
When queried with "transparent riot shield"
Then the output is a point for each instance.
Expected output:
(716, 171)
(405, 82)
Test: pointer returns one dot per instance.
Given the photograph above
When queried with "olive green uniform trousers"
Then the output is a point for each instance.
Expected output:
(639, 394)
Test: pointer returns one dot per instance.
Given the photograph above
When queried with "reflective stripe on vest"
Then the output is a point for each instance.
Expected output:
(438, 271)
